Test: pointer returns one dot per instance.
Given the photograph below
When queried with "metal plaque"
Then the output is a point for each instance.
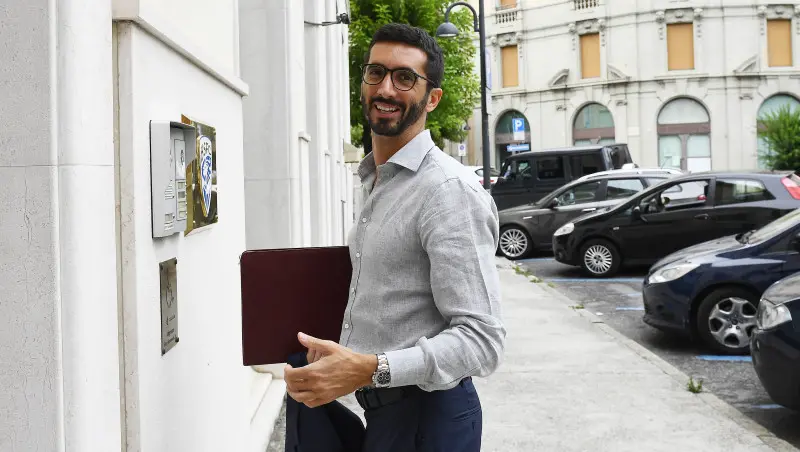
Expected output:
(169, 304)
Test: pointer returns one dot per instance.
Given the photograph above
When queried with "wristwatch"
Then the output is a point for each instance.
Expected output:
(382, 378)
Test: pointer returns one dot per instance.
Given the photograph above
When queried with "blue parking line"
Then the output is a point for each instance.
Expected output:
(746, 359)
(630, 308)
(773, 406)
(597, 280)
(633, 294)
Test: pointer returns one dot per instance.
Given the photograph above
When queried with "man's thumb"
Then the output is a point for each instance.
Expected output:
(310, 341)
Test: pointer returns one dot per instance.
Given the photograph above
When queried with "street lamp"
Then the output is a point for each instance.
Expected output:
(449, 30)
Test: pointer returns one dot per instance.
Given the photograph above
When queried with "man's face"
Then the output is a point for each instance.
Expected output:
(391, 111)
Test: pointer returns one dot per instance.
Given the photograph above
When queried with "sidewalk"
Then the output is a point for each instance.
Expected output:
(570, 383)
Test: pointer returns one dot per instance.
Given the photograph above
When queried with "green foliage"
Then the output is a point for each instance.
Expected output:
(780, 130)
(461, 85)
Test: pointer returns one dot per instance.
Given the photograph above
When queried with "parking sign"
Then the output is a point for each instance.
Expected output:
(518, 127)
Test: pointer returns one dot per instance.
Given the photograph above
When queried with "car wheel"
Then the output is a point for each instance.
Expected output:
(600, 258)
(515, 243)
(726, 319)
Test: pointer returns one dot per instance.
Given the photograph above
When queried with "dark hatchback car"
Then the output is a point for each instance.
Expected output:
(776, 342)
(529, 176)
(673, 215)
(529, 228)
(711, 291)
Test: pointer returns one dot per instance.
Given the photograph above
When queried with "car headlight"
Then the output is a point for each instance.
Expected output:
(566, 229)
(772, 315)
(671, 273)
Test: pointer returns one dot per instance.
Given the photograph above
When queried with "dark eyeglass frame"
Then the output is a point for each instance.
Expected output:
(391, 72)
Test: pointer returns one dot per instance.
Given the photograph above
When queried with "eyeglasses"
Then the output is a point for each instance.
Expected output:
(403, 79)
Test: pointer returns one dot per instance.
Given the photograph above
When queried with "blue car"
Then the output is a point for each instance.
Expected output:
(776, 342)
(711, 292)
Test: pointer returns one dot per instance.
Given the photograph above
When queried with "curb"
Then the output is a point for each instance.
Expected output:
(708, 398)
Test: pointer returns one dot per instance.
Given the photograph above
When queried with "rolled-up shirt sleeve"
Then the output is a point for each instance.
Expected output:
(458, 228)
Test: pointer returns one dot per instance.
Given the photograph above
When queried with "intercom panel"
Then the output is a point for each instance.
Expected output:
(169, 142)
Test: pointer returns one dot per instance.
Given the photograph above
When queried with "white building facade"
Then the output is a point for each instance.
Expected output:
(683, 82)
(83, 364)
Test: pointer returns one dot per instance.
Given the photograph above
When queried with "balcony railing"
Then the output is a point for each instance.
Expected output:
(506, 17)
(586, 4)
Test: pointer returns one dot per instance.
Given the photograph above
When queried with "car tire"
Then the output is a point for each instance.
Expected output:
(515, 243)
(726, 319)
(600, 258)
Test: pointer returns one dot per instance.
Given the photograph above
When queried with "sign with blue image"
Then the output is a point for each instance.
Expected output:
(518, 128)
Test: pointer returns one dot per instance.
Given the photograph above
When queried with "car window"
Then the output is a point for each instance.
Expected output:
(778, 226)
(550, 168)
(623, 188)
(580, 194)
(684, 195)
(583, 164)
(619, 156)
(737, 191)
(517, 170)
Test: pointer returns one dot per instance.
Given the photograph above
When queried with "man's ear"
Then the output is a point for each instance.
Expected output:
(433, 99)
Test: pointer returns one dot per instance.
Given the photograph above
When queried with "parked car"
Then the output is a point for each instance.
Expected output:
(776, 342)
(711, 291)
(529, 176)
(524, 229)
(478, 170)
(677, 213)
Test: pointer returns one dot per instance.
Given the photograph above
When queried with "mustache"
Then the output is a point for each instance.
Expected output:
(384, 100)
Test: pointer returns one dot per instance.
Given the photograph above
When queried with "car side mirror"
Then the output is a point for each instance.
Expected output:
(554, 203)
(637, 214)
(796, 242)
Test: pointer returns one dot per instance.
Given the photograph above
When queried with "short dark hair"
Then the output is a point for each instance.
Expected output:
(418, 38)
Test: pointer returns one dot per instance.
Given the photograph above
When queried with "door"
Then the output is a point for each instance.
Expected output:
(673, 218)
(740, 205)
(572, 203)
(549, 175)
(514, 185)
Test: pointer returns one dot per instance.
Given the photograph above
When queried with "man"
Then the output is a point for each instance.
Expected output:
(423, 315)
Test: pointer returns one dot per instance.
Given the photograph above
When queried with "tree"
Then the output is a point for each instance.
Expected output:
(780, 131)
(460, 84)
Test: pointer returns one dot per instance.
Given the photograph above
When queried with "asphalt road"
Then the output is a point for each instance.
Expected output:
(618, 300)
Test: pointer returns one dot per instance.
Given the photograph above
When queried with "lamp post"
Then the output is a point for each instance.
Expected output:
(449, 30)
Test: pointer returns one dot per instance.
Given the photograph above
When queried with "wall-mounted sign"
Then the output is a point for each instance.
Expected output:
(201, 177)
(518, 127)
(462, 150)
(168, 274)
(518, 147)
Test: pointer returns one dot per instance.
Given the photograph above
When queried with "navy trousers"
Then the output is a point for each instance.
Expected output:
(439, 421)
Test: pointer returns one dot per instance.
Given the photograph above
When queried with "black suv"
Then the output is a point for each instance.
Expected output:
(673, 215)
(529, 176)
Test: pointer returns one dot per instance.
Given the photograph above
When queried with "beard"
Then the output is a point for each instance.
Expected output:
(384, 126)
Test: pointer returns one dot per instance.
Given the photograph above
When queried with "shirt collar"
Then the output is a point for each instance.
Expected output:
(409, 156)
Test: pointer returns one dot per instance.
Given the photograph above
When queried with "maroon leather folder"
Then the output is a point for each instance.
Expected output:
(285, 291)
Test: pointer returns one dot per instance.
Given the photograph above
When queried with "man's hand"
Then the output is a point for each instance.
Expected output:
(333, 371)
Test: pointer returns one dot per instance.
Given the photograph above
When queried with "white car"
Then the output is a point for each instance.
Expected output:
(478, 170)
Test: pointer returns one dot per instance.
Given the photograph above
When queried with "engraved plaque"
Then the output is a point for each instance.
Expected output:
(169, 304)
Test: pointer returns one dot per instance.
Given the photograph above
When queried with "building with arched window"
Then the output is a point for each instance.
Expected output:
(682, 83)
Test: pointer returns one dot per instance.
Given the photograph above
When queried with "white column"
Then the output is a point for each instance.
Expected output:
(317, 110)
(59, 362)
(272, 60)
(87, 227)
(31, 390)
(333, 40)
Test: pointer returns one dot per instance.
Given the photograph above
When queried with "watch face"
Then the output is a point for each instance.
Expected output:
(384, 378)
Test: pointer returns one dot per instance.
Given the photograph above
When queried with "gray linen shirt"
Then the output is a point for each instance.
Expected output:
(425, 288)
